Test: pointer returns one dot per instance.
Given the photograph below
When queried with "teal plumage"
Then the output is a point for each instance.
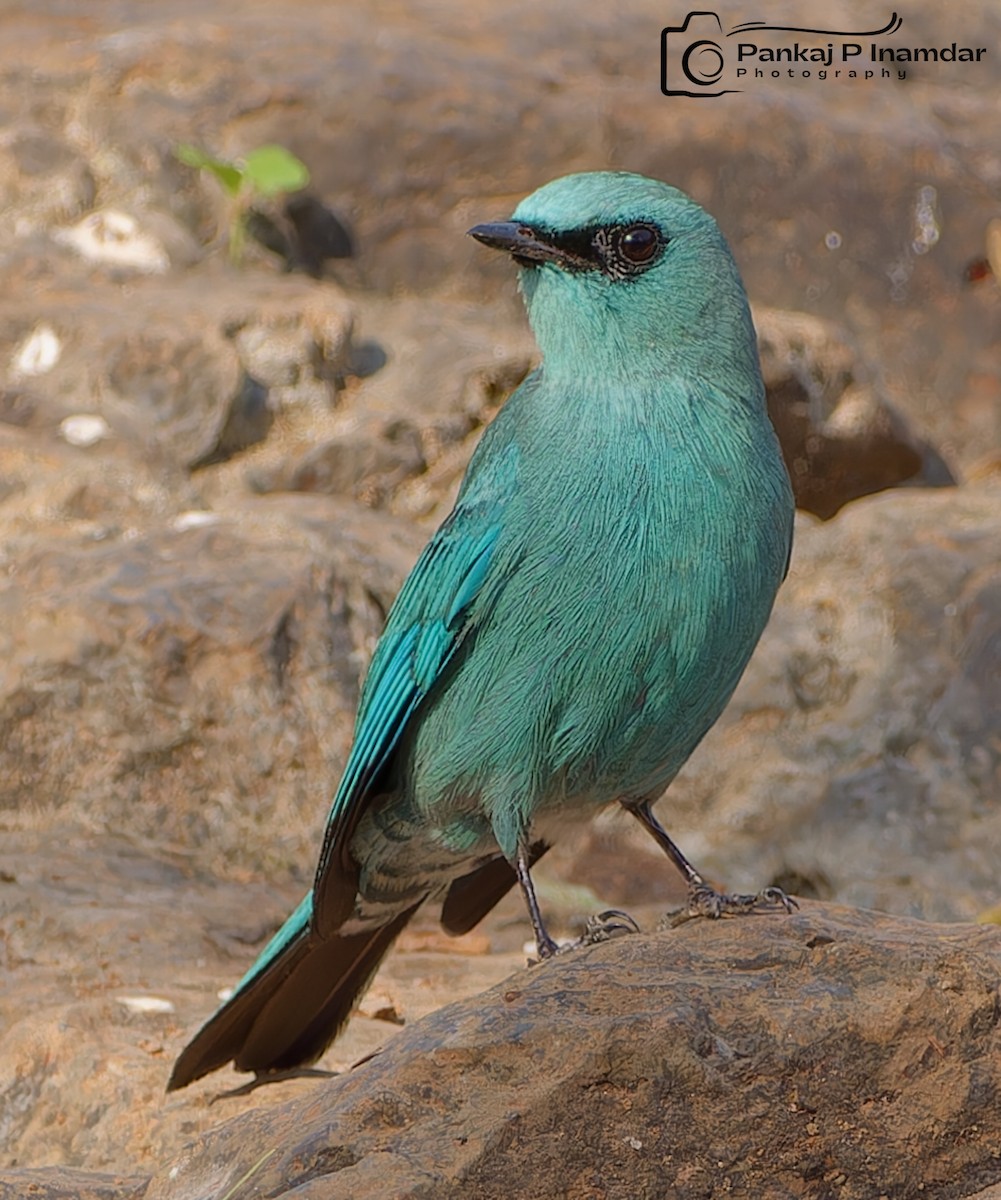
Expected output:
(574, 627)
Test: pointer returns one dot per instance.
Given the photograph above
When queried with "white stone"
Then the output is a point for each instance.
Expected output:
(84, 429)
(194, 519)
(115, 238)
(146, 1004)
(37, 354)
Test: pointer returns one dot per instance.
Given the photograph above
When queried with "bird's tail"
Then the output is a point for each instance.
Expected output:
(290, 1005)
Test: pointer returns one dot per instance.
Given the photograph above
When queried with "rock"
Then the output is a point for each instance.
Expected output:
(62, 1183)
(192, 679)
(401, 436)
(175, 390)
(299, 352)
(54, 492)
(46, 180)
(36, 355)
(844, 1042)
(871, 228)
(92, 919)
(838, 1050)
(367, 464)
(83, 429)
(840, 438)
(184, 374)
(449, 368)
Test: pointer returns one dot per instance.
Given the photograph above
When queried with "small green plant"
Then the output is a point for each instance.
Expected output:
(264, 173)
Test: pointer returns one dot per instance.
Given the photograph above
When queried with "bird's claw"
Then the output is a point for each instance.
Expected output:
(705, 901)
(775, 897)
(611, 923)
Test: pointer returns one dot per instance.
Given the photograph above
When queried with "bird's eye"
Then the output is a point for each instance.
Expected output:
(639, 243)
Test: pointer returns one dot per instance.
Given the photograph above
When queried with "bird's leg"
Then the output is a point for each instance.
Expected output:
(543, 942)
(601, 928)
(703, 899)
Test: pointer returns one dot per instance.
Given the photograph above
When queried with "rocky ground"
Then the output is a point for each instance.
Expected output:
(213, 479)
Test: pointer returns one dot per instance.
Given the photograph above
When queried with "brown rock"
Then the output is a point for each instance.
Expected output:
(65, 1183)
(45, 180)
(113, 950)
(184, 373)
(52, 492)
(830, 1043)
(840, 437)
(871, 227)
(830, 1053)
(423, 381)
(368, 465)
(198, 677)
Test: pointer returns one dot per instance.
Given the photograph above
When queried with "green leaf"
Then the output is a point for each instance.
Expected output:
(271, 170)
(229, 176)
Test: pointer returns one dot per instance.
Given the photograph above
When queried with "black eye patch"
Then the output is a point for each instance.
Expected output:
(618, 251)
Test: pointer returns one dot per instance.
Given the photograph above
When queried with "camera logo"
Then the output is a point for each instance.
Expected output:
(691, 58)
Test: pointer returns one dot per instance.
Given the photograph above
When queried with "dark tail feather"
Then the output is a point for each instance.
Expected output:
(289, 1012)
(472, 896)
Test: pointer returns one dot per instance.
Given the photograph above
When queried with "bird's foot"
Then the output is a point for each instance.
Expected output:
(705, 901)
(546, 948)
(611, 923)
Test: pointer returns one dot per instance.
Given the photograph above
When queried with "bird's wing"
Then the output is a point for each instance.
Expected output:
(442, 600)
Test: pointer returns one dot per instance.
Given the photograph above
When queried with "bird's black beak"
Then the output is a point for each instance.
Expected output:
(525, 244)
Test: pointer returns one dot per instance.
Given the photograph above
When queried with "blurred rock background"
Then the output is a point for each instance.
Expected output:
(213, 479)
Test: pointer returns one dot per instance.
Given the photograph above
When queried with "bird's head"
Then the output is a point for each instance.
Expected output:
(622, 273)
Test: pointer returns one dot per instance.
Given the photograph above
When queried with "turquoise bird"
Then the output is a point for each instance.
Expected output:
(574, 627)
